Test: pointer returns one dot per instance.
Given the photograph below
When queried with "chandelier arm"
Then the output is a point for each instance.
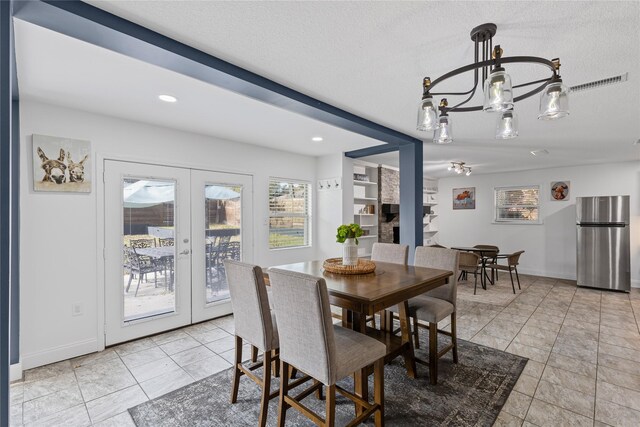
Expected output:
(516, 99)
(530, 83)
(491, 62)
(471, 91)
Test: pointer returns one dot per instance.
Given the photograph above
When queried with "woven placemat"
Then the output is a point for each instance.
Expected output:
(334, 265)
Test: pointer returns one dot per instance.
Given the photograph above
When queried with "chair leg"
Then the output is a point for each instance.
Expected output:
(454, 337)
(416, 335)
(237, 373)
(512, 285)
(266, 389)
(276, 362)
(330, 418)
(378, 391)
(254, 354)
(138, 285)
(433, 353)
(517, 277)
(319, 394)
(130, 280)
(284, 390)
(475, 282)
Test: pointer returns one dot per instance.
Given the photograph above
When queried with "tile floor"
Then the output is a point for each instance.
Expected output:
(583, 346)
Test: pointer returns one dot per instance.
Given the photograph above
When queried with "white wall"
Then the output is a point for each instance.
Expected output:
(331, 203)
(58, 255)
(550, 247)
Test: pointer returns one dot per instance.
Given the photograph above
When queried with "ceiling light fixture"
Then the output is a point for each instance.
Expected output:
(317, 139)
(167, 98)
(498, 90)
(542, 152)
(459, 168)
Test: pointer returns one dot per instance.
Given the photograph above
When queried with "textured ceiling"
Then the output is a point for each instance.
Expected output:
(369, 58)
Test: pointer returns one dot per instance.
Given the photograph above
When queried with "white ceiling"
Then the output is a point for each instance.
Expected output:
(368, 58)
(61, 70)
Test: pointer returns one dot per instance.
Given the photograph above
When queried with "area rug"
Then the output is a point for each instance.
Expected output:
(470, 393)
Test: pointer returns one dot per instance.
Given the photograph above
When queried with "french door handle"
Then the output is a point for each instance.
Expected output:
(185, 252)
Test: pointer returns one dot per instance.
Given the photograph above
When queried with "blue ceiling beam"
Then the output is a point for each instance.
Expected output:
(90, 24)
(370, 151)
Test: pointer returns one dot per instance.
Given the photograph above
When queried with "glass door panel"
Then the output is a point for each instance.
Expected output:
(221, 208)
(147, 249)
(148, 246)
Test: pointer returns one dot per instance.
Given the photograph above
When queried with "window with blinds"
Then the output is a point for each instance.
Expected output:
(289, 213)
(517, 204)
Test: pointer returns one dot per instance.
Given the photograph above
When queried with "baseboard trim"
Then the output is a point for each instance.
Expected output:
(15, 372)
(552, 275)
(634, 283)
(56, 354)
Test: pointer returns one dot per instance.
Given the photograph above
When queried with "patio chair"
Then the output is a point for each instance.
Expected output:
(512, 265)
(139, 265)
(470, 263)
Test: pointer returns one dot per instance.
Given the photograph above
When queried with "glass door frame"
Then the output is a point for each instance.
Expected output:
(201, 310)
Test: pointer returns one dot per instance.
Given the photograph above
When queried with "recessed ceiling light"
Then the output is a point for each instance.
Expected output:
(539, 152)
(317, 139)
(167, 98)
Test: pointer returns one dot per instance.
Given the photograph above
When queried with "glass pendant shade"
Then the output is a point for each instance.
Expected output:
(507, 126)
(443, 134)
(554, 101)
(498, 95)
(427, 115)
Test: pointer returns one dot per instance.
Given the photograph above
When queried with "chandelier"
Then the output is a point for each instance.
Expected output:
(498, 90)
(459, 167)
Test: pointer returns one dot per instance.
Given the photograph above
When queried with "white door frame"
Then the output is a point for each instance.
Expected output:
(100, 224)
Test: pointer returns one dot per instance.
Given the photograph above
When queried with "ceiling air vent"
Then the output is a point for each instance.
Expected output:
(599, 83)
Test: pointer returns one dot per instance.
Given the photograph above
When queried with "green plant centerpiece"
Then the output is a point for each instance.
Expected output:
(348, 234)
(349, 231)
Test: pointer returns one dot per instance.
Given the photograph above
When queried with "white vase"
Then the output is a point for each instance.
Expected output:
(350, 252)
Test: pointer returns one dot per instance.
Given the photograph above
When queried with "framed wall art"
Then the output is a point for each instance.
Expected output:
(61, 164)
(560, 190)
(464, 198)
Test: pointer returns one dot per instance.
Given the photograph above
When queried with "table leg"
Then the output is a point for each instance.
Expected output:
(361, 378)
(405, 326)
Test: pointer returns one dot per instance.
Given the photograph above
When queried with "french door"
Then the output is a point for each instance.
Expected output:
(167, 231)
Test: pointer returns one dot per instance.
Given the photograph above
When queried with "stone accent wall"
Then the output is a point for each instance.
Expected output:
(388, 192)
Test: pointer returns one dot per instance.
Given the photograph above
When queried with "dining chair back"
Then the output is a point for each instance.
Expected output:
(512, 267)
(470, 263)
(169, 241)
(311, 343)
(386, 252)
(390, 252)
(254, 323)
(250, 302)
(142, 243)
(444, 259)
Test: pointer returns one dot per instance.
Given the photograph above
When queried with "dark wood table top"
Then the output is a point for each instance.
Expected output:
(389, 285)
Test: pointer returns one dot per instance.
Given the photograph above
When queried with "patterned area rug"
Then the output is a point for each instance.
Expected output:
(470, 393)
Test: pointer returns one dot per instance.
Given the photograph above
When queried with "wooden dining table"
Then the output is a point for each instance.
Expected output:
(365, 295)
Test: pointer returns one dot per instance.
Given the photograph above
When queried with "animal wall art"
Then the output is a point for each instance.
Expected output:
(61, 164)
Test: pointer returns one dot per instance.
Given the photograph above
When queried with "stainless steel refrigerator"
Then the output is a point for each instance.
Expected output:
(603, 242)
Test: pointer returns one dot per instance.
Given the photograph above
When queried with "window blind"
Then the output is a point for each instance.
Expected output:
(517, 204)
(289, 213)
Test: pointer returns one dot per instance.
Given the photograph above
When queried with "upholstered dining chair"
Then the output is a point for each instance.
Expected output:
(470, 263)
(436, 305)
(390, 252)
(255, 323)
(387, 252)
(310, 342)
(512, 266)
